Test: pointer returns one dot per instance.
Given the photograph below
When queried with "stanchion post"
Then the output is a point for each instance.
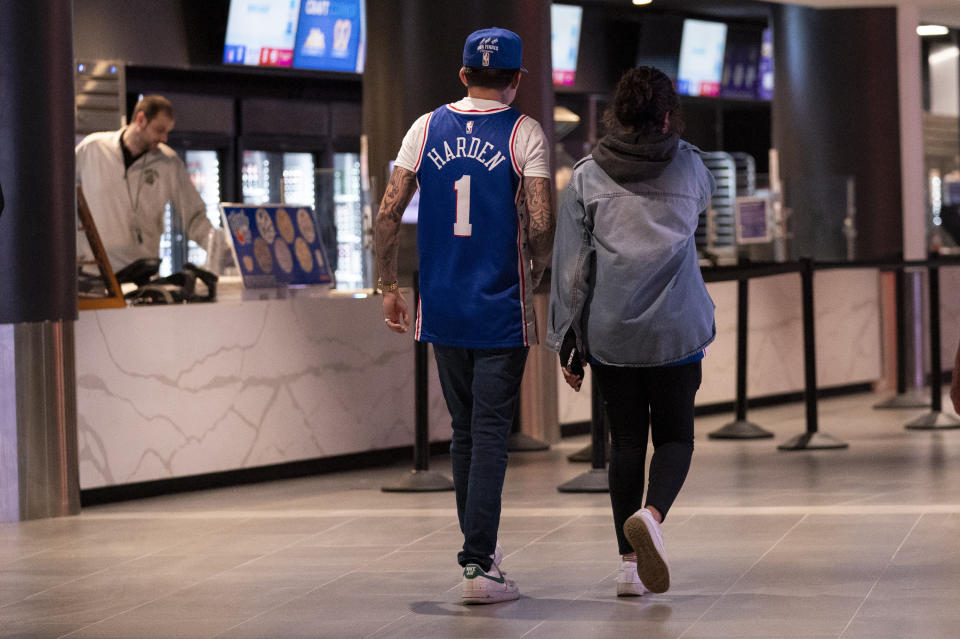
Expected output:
(936, 394)
(812, 439)
(740, 428)
(936, 419)
(903, 398)
(421, 479)
(594, 480)
(585, 454)
(520, 442)
(900, 296)
(421, 431)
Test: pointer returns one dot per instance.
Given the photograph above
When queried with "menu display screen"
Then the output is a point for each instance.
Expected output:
(261, 32)
(330, 36)
(565, 22)
(701, 57)
(326, 35)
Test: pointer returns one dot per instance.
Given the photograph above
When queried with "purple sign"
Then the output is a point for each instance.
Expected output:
(752, 221)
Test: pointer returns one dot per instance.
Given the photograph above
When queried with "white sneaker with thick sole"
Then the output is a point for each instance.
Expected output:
(497, 555)
(643, 533)
(628, 583)
(482, 587)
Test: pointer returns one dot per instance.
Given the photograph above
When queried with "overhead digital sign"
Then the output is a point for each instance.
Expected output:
(701, 57)
(565, 20)
(325, 35)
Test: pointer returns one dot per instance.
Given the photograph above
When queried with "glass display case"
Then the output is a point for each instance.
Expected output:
(203, 166)
(352, 271)
(279, 177)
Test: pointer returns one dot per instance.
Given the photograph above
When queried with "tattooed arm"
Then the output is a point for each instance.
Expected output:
(542, 224)
(402, 186)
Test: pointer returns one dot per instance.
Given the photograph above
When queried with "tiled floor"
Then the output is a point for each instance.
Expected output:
(855, 543)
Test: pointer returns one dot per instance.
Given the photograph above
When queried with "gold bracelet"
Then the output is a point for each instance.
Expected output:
(389, 288)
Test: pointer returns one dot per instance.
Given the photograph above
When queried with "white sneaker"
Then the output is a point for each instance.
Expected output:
(628, 583)
(497, 555)
(481, 587)
(643, 533)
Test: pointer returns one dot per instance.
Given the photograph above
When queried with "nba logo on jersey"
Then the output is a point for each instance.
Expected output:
(469, 127)
(486, 58)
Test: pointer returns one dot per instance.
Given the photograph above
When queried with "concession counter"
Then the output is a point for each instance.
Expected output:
(180, 390)
(189, 389)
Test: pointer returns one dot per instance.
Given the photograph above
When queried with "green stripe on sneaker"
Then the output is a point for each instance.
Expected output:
(472, 571)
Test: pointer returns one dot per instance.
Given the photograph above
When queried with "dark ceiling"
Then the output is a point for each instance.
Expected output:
(737, 10)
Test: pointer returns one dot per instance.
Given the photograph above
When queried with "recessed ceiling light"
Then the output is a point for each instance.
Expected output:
(639, 2)
(932, 30)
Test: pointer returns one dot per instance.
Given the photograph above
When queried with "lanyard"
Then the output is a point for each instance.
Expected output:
(135, 202)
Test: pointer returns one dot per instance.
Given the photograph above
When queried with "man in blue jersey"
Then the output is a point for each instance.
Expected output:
(485, 234)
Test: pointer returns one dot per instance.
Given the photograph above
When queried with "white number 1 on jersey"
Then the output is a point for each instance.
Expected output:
(462, 227)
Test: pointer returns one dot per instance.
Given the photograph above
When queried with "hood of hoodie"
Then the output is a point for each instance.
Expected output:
(632, 157)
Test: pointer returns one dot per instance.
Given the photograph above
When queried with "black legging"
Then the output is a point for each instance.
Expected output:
(637, 400)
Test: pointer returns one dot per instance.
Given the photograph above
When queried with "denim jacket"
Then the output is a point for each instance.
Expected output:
(626, 279)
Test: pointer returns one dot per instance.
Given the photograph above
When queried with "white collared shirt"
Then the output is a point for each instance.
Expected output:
(127, 204)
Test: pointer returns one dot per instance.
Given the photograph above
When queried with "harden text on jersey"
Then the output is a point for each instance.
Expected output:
(475, 149)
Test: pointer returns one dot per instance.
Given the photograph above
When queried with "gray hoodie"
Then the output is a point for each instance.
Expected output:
(626, 279)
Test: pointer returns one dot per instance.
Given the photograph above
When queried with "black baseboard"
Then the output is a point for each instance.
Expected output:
(582, 428)
(289, 470)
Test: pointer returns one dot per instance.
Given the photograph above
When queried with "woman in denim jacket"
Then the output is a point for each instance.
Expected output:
(628, 298)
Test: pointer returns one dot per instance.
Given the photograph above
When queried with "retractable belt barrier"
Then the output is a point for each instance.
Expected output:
(812, 438)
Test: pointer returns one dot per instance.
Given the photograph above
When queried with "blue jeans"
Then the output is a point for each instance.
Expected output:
(481, 388)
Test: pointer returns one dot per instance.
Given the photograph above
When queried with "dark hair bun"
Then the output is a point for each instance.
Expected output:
(644, 97)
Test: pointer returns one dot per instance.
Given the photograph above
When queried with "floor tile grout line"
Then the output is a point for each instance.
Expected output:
(140, 605)
(527, 633)
(578, 597)
(407, 614)
(106, 569)
(200, 581)
(418, 540)
(866, 498)
(39, 552)
(879, 577)
(458, 585)
(327, 583)
(742, 575)
(284, 603)
(840, 508)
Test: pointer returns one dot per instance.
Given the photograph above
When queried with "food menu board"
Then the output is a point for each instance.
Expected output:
(701, 57)
(328, 35)
(261, 32)
(276, 245)
(564, 41)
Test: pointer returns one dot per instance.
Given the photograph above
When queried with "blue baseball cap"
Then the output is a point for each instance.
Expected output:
(493, 48)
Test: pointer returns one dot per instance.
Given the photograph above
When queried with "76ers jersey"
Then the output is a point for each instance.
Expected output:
(475, 282)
